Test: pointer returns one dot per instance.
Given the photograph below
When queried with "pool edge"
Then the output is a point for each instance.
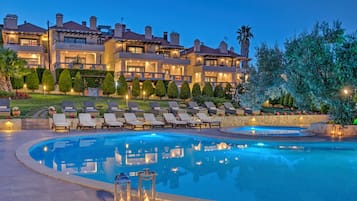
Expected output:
(22, 155)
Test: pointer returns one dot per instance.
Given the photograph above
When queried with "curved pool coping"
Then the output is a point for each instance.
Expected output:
(22, 154)
(268, 135)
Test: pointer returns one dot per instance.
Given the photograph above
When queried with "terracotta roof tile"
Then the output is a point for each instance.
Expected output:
(74, 26)
(129, 35)
(211, 51)
(28, 27)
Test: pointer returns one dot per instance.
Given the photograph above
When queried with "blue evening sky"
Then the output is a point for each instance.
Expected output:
(211, 21)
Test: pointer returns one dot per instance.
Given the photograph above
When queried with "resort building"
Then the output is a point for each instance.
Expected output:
(74, 45)
(145, 56)
(28, 40)
(216, 66)
(97, 47)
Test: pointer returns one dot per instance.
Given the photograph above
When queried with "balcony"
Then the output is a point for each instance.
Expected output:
(142, 75)
(227, 69)
(143, 56)
(176, 61)
(21, 48)
(180, 78)
(80, 66)
(78, 46)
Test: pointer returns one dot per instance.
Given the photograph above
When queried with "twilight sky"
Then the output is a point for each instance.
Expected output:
(211, 21)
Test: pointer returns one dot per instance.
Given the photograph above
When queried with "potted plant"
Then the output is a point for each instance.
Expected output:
(16, 111)
(51, 110)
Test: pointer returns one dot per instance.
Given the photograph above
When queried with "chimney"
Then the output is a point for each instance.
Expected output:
(223, 47)
(197, 46)
(148, 32)
(59, 20)
(118, 30)
(93, 23)
(165, 36)
(84, 23)
(174, 38)
(10, 22)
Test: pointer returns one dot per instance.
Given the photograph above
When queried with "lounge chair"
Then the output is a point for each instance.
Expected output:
(229, 108)
(208, 120)
(60, 122)
(171, 119)
(131, 120)
(113, 108)
(212, 109)
(134, 108)
(5, 107)
(190, 120)
(68, 109)
(175, 108)
(85, 121)
(156, 109)
(89, 107)
(152, 121)
(193, 108)
(111, 121)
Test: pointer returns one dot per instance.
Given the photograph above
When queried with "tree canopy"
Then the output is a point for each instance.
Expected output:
(320, 65)
(10, 66)
(318, 69)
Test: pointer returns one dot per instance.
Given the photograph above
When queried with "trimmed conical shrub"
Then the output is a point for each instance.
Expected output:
(65, 81)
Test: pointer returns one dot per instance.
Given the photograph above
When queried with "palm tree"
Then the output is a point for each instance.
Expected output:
(244, 36)
(10, 66)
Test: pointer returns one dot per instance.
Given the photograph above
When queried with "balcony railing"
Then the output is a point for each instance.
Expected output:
(23, 48)
(181, 78)
(143, 56)
(80, 66)
(176, 61)
(142, 75)
(78, 46)
(220, 69)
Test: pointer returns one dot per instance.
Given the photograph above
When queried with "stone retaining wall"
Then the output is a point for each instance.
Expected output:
(277, 120)
(227, 121)
(333, 129)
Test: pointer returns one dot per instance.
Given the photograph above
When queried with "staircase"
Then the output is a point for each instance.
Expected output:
(35, 124)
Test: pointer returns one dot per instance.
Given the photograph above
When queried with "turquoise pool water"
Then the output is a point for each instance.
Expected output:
(209, 168)
(280, 131)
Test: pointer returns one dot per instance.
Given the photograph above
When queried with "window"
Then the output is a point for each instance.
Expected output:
(211, 62)
(31, 61)
(75, 40)
(81, 60)
(136, 68)
(28, 42)
(137, 50)
(210, 79)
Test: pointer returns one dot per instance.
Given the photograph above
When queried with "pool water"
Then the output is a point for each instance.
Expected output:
(209, 168)
(280, 131)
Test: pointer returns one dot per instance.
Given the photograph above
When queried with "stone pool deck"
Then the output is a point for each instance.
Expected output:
(19, 183)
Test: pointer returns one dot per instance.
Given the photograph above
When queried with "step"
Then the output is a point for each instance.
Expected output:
(32, 124)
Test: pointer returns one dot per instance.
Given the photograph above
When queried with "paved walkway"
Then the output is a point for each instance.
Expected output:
(18, 183)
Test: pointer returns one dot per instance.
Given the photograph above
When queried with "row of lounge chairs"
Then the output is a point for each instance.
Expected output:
(133, 107)
(85, 120)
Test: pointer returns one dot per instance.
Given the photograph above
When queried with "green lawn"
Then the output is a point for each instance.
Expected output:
(29, 107)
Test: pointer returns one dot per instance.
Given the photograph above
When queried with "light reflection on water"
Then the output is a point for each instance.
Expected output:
(211, 168)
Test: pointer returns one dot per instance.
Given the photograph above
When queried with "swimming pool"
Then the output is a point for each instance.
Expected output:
(211, 168)
(279, 131)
